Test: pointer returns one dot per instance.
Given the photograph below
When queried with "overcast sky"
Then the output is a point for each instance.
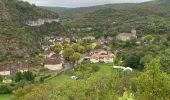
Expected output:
(79, 3)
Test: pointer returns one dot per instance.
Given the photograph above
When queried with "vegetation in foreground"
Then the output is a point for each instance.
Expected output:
(104, 83)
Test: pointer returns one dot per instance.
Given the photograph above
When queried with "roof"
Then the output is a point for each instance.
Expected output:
(5, 67)
(23, 65)
(101, 54)
(94, 56)
(52, 61)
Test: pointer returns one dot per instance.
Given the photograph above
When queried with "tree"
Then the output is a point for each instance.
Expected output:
(133, 60)
(18, 77)
(88, 48)
(153, 84)
(165, 61)
(4, 89)
(81, 49)
(28, 76)
(75, 57)
(148, 38)
(75, 47)
(32, 92)
(67, 53)
(1, 78)
(57, 48)
(78, 48)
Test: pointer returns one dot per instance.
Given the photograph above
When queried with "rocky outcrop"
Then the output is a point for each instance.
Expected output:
(40, 21)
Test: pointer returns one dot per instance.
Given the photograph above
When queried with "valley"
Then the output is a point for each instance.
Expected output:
(105, 52)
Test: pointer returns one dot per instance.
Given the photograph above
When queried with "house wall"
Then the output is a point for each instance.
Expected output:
(25, 70)
(94, 60)
(54, 67)
(3, 73)
(108, 60)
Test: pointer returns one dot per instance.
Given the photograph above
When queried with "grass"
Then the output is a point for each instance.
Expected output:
(5, 97)
(105, 69)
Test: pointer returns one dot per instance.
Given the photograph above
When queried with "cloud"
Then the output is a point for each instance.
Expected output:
(79, 3)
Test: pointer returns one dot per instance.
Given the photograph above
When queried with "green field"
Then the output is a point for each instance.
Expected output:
(105, 69)
(6, 97)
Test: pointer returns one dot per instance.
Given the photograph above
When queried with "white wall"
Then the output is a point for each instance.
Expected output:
(54, 67)
(94, 60)
(3, 73)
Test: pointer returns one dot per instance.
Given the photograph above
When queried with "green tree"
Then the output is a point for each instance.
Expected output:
(153, 84)
(165, 61)
(57, 48)
(88, 48)
(1, 78)
(18, 77)
(75, 57)
(28, 76)
(148, 38)
(67, 53)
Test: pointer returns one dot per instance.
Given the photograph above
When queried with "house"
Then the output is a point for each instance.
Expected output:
(5, 69)
(53, 64)
(101, 56)
(127, 36)
(22, 66)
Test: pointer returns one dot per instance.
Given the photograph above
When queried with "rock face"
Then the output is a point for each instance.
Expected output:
(40, 21)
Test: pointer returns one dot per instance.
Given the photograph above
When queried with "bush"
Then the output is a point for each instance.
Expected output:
(4, 89)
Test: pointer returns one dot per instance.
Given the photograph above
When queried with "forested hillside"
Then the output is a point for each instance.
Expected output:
(17, 40)
(147, 18)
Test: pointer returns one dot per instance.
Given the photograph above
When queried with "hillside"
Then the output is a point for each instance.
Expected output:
(17, 40)
(147, 18)
(151, 17)
(71, 13)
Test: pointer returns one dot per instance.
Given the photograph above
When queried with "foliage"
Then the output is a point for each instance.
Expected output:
(75, 57)
(153, 83)
(35, 92)
(85, 70)
(127, 96)
(165, 61)
(133, 60)
(4, 89)
(67, 53)
(57, 48)
(28, 76)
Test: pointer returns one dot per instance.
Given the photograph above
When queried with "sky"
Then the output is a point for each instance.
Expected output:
(79, 3)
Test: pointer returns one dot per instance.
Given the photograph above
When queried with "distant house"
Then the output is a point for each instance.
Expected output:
(89, 38)
(22, 66)
(101, 56)
(53, 64)
(5, 69)
(127, 36)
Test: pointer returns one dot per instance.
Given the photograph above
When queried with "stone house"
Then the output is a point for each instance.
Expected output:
(5, 69)
(126, 36)
(101, 56)
(53, 64)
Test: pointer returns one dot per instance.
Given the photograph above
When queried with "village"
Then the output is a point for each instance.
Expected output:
(60, 53)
